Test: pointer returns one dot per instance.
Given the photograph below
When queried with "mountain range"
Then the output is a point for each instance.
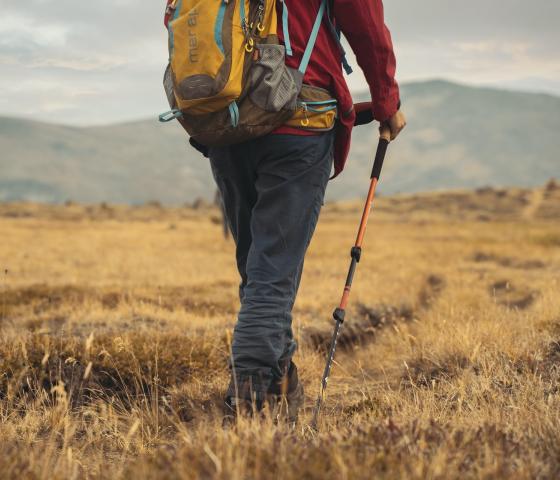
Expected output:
(457, 136)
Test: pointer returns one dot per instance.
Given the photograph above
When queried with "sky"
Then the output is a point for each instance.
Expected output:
(91, 63)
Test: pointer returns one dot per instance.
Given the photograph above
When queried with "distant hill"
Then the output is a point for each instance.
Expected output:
(458, 136)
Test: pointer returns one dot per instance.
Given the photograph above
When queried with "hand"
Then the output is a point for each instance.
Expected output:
(395, 124)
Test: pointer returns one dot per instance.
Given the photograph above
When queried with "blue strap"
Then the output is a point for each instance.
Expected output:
(170, 115)
(234, 114)
(312, 38)
(242, 13)
(336, 35)
(170, 28)
(219, 25)
(286, 29)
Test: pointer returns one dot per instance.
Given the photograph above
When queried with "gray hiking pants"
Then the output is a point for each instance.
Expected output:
(273, 189)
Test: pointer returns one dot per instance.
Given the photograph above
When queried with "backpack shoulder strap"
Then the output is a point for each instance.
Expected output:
(312, 38)
(336, 35)
(286, 28)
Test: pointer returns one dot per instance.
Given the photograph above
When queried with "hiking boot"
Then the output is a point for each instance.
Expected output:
(286, 396)
(282, 401)
(241, 400)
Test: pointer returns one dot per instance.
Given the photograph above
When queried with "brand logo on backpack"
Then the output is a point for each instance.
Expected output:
(193, 41)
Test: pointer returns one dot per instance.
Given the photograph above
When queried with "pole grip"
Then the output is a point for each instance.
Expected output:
(384, 139)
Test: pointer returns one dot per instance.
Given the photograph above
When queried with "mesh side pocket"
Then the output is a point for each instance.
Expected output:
(168, 87)
(273, 86)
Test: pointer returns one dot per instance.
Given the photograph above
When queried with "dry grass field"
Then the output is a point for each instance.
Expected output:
(115, 324)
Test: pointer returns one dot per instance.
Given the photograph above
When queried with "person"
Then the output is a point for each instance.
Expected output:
(273, 189)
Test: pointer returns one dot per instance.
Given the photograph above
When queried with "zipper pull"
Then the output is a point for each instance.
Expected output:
(305, 121)
(260, 17)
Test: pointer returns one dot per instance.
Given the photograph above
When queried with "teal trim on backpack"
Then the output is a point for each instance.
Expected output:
(321, 110)
(170, 115)
(312, 38)
(234, 114)
(286, 29)
(171, 34)
(321, 102)
(219, 25)
(319, 106)
(242, 13)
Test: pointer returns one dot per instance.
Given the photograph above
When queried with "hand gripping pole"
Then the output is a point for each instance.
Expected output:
(355, 254)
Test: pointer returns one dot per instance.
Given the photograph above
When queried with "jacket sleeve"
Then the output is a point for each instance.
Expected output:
(362, 23)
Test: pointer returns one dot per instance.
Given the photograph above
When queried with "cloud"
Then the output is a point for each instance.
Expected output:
(102, 61)
(82, 63)
(18, 29)
(97, 63)
(477, 41)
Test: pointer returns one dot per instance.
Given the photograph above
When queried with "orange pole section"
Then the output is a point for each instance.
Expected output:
(361, 234)
(367, 210)
(345, 298)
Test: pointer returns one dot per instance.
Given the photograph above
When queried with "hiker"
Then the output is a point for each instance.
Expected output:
(273, 184)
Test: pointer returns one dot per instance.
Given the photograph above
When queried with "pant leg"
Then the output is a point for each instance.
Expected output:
(291, 176)
(234, 170)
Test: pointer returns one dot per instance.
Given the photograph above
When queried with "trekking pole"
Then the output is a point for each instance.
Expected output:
(356, 253)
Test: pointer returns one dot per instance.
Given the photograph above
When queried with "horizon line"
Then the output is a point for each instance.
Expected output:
(355, 93)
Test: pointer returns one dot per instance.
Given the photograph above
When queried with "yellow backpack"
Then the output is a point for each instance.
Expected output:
(227, 80)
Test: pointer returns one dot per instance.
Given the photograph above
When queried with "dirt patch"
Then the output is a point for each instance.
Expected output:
(372, 405)
(426, 372)
(187, 405)
(509, 262)
(205, 300)
(366, 323)
(43, 298)
(190, 304)
(111, 300)
(510, 296)
(108, 366)
(54, 324)
(363, 328)
(431, 289)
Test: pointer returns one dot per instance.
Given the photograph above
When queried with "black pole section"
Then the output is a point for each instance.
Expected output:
(326, 374)
(379, 157)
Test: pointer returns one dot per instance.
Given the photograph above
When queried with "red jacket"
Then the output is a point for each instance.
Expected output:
(362, 23)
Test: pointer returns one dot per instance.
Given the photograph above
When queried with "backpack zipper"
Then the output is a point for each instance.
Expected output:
(323, 106)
